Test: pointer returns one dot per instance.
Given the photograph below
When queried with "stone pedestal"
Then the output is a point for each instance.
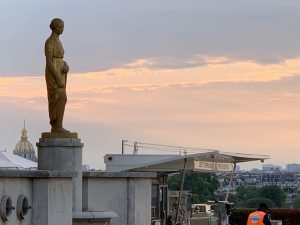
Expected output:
(63, 152)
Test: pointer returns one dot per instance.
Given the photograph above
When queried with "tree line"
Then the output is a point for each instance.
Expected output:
(203, 187)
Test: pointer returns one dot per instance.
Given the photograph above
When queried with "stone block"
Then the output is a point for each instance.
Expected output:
(60, 153)
(129, 197)
(52, 201)
(12, 188)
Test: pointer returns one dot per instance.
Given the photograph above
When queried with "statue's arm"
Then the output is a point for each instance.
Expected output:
(49, 64)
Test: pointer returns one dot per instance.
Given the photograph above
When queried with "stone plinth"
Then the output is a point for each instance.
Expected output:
(63, 152)
(60, 135)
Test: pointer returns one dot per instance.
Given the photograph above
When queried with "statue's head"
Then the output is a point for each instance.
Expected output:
(57, 26)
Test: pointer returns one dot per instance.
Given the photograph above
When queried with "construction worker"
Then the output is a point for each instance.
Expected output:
(260, 216)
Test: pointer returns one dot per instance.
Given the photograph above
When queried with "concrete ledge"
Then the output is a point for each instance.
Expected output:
(124, 174)
(93, 218)
(93, 215)
(36, 174)
(59, 142)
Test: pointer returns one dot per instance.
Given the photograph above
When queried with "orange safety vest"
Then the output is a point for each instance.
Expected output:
(256, 218)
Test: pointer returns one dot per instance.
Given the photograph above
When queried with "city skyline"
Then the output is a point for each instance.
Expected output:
(198, 73)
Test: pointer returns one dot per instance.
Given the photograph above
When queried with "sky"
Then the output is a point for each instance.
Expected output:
(198, 73)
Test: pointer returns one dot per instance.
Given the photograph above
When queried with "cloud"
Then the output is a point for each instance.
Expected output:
(232, 105)
(115, 33)
(179, 63)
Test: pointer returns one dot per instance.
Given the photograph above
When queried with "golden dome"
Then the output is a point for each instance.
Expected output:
(24, 147)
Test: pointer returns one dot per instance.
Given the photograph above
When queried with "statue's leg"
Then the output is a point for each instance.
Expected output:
(61, 110)
(53, 109)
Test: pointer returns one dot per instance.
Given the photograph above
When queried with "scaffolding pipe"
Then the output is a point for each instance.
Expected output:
(180, 191)
(230, 182)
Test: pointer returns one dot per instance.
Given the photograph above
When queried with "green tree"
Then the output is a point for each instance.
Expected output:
(273, 192)
(296, 204)
(250, 196)
(202, 185)
(244, 193)
(254, 202)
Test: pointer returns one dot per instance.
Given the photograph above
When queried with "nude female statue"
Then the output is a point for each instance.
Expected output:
(56, 77)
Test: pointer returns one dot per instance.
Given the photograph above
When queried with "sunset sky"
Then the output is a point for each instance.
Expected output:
(198, 73)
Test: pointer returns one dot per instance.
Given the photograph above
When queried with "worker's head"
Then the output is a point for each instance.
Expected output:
(263, 207)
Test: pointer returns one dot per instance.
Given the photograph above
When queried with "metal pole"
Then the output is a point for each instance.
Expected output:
(135, 148)
(123, 142)
(230, 182)
(180, 191)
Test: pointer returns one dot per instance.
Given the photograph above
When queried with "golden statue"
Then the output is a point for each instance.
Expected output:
(56, 77)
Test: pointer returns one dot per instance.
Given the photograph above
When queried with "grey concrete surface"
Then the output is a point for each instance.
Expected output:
(8, 173)
(129, 197)
(13, 187)
(124, 174)
(93, 218)
(139, 195)
(52, 201)
(14, 183)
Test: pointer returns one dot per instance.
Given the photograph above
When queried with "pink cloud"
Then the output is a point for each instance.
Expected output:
(224, 104)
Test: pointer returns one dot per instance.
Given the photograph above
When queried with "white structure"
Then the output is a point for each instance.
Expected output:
(11, 161)
(206, 161)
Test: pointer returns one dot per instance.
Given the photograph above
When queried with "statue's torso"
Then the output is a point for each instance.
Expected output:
(54, 47)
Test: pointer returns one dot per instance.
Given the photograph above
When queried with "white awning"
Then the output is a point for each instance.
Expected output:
(209, 161)
(9, 160)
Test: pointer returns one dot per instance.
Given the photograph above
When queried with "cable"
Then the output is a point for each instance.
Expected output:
(160, 147)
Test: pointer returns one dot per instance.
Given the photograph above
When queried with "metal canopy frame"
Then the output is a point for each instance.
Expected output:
(176, 163)
(187, 162)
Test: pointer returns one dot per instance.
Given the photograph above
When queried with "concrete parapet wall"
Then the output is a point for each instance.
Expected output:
(127, 194)
(20, 184)
(13, 188)
(52, 201)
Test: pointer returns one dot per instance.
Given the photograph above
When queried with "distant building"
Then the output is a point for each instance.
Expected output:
(24, 148)
(271, 167)
(289, 181)
(293, 167)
